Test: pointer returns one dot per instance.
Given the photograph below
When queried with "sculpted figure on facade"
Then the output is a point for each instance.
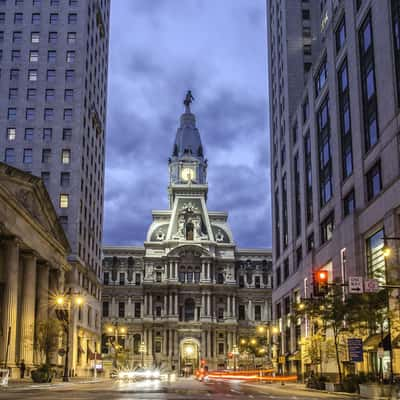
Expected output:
(198, 234)
(180, 233)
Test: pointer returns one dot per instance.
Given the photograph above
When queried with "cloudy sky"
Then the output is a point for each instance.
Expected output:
(158, 50)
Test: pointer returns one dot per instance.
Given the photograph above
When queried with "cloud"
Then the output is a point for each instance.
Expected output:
(158, 50)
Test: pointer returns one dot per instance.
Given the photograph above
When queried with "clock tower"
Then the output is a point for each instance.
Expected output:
(187, 165)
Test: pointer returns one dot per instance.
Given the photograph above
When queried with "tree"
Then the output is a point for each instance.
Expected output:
(48, 332)
(329, 313)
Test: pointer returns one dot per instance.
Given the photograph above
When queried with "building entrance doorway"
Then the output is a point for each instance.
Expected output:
(189, 356)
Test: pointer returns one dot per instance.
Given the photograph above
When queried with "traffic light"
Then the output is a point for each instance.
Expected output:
(320, 283)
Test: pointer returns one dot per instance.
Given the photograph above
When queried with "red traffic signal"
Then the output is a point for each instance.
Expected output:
(320, 282)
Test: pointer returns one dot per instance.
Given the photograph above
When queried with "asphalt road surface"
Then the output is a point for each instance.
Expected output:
(182, 389)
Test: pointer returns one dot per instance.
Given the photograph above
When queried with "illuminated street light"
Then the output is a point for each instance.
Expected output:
(60, 300)
(189, 350)
(235, 353)
(63, 311)
(261, 329)
(142, 349)
(253, 341)
(79, 300)
(243, 341)
(275, 330)
(386, 251)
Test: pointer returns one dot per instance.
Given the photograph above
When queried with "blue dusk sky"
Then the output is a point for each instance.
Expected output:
(158, 50)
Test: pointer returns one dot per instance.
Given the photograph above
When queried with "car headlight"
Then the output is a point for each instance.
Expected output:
(131, 374)
(121, 375)
(147, 374)
(156, 374)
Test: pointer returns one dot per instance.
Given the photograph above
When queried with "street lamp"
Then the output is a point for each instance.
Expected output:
(63, 311)
(235, 353)
(113, 329)
(386, 252)
(141, 351)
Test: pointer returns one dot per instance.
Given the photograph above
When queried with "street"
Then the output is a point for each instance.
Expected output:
(146, 390)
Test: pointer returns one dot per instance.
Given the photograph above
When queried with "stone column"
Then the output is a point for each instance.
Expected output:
(169, 343)
(146, 341)
(208, 310)
(151, 305)
(209, 343)
(28, 309)
(250, 311)
(43, 292)
(233, 306)
(10, 297)
(176, 270)
(164, 342)
(129, 309)
(202, 310)
(228, 306)
(167, 269)
(145, 304)
(176, 343)
(113, 307)
(176, 304)
(165, 311)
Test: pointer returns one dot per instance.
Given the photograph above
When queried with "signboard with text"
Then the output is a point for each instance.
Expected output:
(355, 284)
(355, 347)
(371, 285)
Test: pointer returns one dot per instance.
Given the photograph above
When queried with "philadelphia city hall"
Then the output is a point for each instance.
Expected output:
(188, 296)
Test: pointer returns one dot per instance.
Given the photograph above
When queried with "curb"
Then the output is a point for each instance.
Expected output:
(304, 389)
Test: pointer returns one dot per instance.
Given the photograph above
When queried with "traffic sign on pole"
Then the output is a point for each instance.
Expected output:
(356, 284)
(371, 286)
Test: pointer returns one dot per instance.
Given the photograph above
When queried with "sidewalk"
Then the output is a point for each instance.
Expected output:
(302, 387)
(27, 382)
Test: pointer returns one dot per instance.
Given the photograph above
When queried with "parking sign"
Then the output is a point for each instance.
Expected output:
(355, 284)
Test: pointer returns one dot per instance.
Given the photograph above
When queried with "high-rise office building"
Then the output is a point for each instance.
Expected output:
(334, 72)
(54, 65)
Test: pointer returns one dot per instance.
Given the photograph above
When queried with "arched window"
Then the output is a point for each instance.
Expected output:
(136, 343)
(189, 309)
(189, 231)
(189, 278)
(182, 275)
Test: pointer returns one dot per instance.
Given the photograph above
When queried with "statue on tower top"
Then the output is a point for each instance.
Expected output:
(188, 100)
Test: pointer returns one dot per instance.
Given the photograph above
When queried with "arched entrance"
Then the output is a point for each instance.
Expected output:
(189, 351)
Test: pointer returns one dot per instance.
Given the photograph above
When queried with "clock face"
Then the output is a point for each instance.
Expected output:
(187, 174)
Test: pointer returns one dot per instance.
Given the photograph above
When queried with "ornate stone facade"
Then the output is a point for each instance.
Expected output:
(188, 294)
(33, 265)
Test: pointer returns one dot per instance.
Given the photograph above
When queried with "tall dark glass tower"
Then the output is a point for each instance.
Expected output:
(53, 85)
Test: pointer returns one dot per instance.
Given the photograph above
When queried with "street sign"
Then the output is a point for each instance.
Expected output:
(355, 347)
(371, 285)
(355, 284)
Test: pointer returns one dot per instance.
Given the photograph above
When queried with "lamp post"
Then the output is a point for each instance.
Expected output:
(63, 311)
(386, 252)
(235, 353)
(141, 351)
(115, 329)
